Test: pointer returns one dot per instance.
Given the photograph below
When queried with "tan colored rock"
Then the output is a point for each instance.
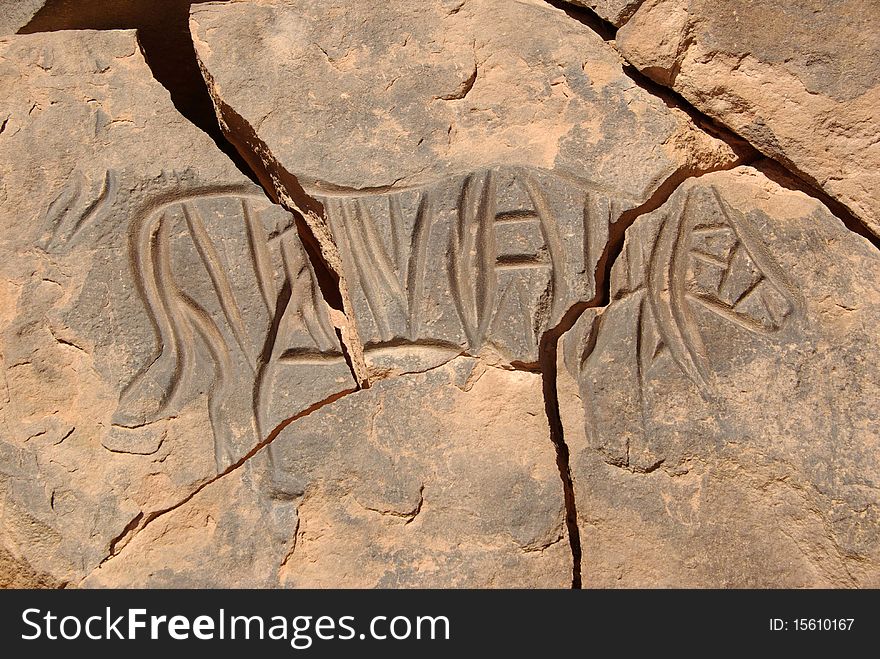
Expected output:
(616, 12)
(462, 182)
(798, 80)
(15, 14)
(379, 490)
(140, 278)
(730, 396)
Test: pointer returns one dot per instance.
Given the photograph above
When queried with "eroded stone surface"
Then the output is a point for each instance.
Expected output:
(729, 389)
(616, 12)
(149, 294)
(378, 490)
(15, 14)
(799, 80)
(465, 181)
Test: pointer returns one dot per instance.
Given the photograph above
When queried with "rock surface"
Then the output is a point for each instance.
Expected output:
(15, 14)
(462, 151)
(376, 491)
(799, 80)
(499, 313)
(731, 437)
(616, 12)
(133, 332)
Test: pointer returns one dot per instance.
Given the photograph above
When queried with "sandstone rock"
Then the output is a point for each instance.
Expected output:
(730, 391)
(616, 12)
(15, 14)
(462, 181)
(150, 294)
(375, 490)
(799, 80)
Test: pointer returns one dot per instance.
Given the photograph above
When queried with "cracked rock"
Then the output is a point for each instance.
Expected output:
(616, 12)
(462, 182)
(731, 437)
(150, 294)
(798, 80)
(376, 491)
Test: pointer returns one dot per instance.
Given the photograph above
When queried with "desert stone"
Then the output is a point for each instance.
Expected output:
(616, 12)
(798, 80)
(150, 292)
(463, 181)
(15, 14)
(375, 490)
(729, 393)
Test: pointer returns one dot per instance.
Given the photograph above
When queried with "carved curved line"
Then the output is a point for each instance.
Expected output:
(418, 258)
(211, 259)
(760, 256)
(485, 275)
(147, 241)
(277, 335)
(459, 250)
(258, 241)
(380, 256)
(369, 284)
(687, 326)
(667, 325)
(58, 209)
(553, 240)
(182, 333)
(105, 197)
(731, 315)
(213, 339)
(317, 188)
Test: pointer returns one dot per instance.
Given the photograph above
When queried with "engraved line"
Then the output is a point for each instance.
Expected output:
(213, 339)
(709, 258)
(521, 261)
(748, 290)
(516, 217)
(418, 258)
(62, 204)
(182, 333)
(553, 240)
(690, 333)
(222, 286)
(761, 257)
(459, 250)
(368, 281)
(486, 256)
(108, 193)
(258, 241)
(380, 256)
(729, 314)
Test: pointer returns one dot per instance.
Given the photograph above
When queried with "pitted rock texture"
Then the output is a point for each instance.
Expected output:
(798, 80)
(731, 437)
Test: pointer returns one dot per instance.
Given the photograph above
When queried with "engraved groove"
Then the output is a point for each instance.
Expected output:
(418, 262)
(213, 264)
(105, 197)
(258, 241)
(553, 241)
(369, 284)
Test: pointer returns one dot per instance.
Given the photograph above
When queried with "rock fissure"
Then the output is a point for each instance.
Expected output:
(793, 177)
(141, 521)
